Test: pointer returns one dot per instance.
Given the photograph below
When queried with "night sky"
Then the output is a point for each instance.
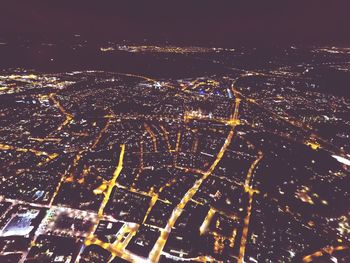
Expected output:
(184, 22)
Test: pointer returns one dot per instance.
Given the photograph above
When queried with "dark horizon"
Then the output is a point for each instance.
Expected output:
(158, 132)
(196, 23)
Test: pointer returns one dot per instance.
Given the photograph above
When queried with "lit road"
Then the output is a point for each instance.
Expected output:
(161, 241)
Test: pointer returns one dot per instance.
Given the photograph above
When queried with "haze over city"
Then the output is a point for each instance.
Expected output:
(174, 132)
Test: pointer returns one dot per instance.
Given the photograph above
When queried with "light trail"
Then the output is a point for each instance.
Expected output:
(113, 181)
(157, 249)
(152, 203)
(68, 116)
(6, 147)
(64, 177)
(91, 239)
(326, 250)
(177, 147)
(251, 192)
(99, 136)
(165, 134)
(203, 228)
(153, 137)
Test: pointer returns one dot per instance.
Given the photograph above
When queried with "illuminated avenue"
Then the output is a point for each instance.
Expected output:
(250, 164)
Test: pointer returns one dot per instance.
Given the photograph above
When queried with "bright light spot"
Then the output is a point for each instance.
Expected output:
(335, 260)
(342, 159)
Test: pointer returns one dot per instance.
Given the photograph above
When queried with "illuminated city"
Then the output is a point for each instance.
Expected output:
(122, 151)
